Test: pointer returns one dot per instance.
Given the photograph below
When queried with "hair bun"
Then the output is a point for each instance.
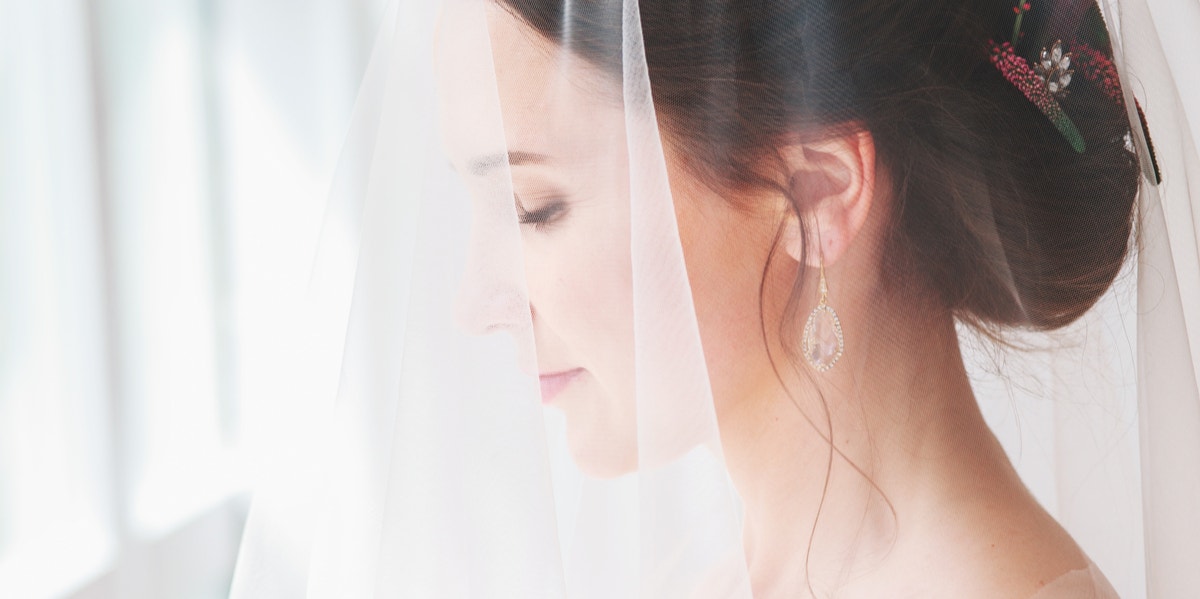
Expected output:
(1063, 212)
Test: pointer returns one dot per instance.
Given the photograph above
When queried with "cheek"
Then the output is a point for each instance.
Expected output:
(726, 253)
(600, 289)
(581, 293)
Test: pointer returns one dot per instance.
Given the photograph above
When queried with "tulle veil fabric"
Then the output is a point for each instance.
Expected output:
(433, 470)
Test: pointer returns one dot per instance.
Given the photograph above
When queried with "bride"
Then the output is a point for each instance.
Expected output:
(739, 244)
(875, 162)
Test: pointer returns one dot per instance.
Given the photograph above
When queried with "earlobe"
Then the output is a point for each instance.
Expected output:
(832, 185)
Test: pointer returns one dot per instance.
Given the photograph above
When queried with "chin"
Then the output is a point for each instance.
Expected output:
(602, 451)
(604, 462)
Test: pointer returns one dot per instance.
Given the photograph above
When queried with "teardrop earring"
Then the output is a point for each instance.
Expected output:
(822, 341)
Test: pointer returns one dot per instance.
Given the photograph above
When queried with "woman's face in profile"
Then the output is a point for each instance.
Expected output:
(563, 144)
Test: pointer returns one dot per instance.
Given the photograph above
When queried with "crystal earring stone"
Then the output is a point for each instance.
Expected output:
(822, 342)
(822, 338)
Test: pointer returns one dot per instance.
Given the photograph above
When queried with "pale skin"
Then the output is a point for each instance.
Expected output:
(920, 499)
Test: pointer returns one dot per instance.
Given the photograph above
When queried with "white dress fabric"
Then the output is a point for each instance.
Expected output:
(434, 470)
(1088, 583)
(1084, 583)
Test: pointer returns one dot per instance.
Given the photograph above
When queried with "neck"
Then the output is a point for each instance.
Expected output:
(828, 464)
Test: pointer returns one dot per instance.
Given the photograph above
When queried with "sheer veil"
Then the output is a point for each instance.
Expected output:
(433, 470)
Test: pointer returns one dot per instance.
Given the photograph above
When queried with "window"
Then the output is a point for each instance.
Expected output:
(162, 182)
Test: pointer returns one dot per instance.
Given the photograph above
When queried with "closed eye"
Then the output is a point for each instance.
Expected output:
(542, 217)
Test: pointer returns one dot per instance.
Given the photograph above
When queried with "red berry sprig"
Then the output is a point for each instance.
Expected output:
(1099, 69)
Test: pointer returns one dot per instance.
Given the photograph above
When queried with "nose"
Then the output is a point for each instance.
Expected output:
(492, 297)
(485, 304)
(492, 294)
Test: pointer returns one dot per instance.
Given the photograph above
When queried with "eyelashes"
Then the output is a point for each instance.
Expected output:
(543, 217)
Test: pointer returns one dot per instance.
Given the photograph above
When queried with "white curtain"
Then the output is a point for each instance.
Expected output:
(163, 170)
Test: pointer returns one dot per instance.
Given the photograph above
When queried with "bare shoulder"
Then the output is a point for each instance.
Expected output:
(1003, 548)
(1017, 558)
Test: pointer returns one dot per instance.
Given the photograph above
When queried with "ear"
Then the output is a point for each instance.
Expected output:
(832, 182)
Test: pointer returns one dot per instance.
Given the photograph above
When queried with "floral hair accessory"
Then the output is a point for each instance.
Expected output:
(1035, 88)
(1041, 83)
(1046, 81)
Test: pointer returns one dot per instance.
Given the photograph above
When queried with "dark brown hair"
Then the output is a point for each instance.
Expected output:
(995, 214)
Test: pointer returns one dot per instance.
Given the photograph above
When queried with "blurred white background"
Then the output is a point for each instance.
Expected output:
(163, 171)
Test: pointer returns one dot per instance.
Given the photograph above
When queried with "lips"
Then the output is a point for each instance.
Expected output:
(554, 382)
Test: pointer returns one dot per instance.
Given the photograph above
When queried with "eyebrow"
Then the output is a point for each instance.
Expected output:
(481, 166)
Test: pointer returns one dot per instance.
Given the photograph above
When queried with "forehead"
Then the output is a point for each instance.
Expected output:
(505, 87)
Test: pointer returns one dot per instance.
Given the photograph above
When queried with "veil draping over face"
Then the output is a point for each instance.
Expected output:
(555, 325)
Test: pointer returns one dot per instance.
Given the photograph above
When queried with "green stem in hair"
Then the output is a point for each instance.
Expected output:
(1017, 27)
